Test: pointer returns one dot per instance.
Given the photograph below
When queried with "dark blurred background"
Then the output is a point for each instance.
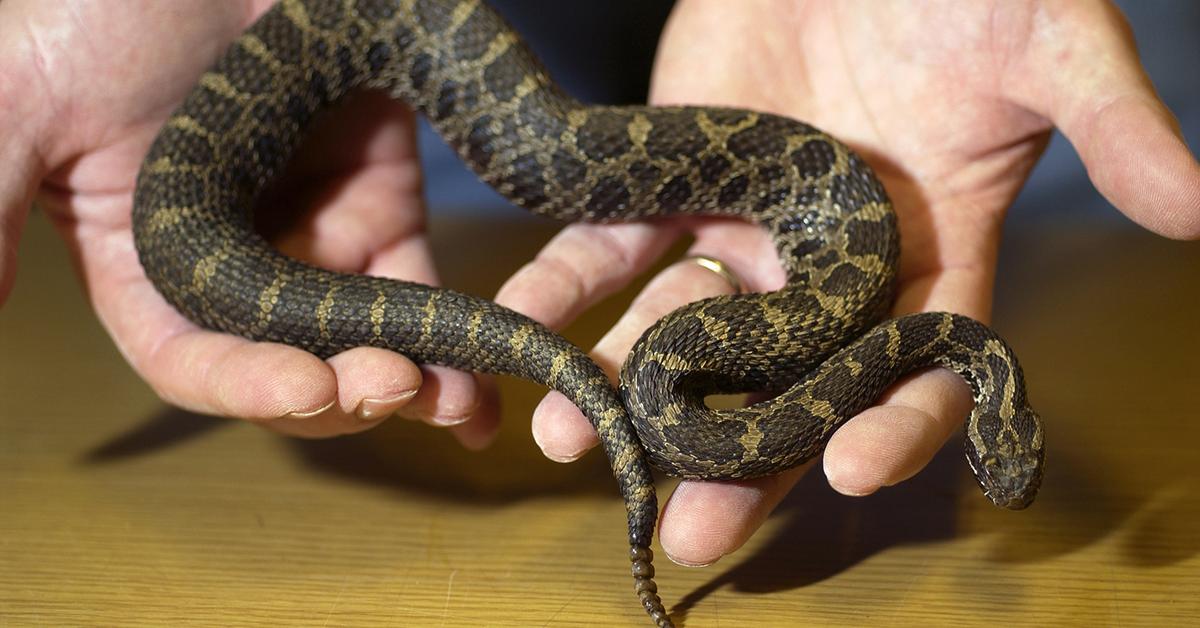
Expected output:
(602, 50)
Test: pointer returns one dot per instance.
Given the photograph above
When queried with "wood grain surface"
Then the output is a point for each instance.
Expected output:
(116, 510)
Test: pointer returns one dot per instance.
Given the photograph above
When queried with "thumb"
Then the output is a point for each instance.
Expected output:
(1083, 72)
(18, 181)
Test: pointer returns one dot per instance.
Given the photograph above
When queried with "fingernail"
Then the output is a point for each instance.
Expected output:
(458, 417)
(684, 563)
(449, 420)
(555, 457)
(572, 457)
(371, 409)
(310, 413)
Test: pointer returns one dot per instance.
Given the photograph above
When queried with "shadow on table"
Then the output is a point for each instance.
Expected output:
(169, 428)
(401, 455)
(824, 533)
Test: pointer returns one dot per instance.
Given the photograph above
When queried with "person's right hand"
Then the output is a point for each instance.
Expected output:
(84, 87)
(952, 103)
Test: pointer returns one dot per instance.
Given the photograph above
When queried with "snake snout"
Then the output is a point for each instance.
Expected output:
(1007, 458)
(1012, 482)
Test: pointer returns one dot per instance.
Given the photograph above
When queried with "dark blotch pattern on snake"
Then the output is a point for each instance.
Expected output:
(818, 343)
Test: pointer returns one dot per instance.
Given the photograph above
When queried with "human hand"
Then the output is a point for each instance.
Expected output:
(84, 87)
(952, 104)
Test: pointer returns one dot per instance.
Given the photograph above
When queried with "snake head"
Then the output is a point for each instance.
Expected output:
(1008, 462)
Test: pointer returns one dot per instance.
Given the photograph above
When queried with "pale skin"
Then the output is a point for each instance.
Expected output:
(951, 102)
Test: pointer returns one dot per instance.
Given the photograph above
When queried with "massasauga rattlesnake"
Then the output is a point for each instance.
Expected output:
(818, 342)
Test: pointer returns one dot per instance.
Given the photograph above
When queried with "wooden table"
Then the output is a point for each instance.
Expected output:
(116, 510)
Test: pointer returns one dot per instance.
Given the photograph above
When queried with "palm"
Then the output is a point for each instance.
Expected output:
(109, 75)
(928, 112)
(951, 103)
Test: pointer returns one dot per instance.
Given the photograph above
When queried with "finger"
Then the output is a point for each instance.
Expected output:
(371, 220)
(328, 423)
(447, 397)
(892, 441)
(356, 182)
(562, 432)
(703, 521)
(580, 266)
(374, 383)
(355, 218)
(221, 374)
(484, 425)
(1103, 101)
(559, 428)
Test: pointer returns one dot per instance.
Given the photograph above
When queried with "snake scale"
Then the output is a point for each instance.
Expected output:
(820, 344)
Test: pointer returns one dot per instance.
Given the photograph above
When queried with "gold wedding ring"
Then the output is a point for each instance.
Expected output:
(720, 268)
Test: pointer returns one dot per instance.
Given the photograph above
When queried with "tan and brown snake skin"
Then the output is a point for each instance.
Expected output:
(818, 342)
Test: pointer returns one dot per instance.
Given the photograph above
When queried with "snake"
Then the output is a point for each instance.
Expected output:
(822, 348)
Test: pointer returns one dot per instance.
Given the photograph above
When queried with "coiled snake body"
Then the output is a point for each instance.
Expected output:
(818, 342)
